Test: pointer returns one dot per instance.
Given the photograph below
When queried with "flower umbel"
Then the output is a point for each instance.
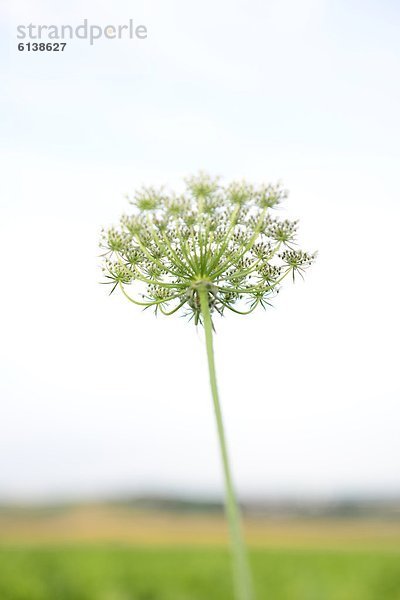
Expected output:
(220, 238)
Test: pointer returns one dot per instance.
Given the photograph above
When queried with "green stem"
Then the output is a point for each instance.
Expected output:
(242, 576)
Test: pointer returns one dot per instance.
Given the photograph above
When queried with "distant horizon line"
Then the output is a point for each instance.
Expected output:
(252, 499)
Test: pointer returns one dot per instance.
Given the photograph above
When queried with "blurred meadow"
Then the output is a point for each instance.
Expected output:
(119, 551)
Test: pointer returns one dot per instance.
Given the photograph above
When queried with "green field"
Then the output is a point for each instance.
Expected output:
(117, 572)
(97, 552)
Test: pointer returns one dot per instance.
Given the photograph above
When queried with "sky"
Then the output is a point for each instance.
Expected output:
(99, 398)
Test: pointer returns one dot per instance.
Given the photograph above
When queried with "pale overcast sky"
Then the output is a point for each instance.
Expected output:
(98, 397)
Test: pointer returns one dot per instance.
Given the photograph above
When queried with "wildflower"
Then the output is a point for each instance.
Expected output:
(213, 250)
(212, 235)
